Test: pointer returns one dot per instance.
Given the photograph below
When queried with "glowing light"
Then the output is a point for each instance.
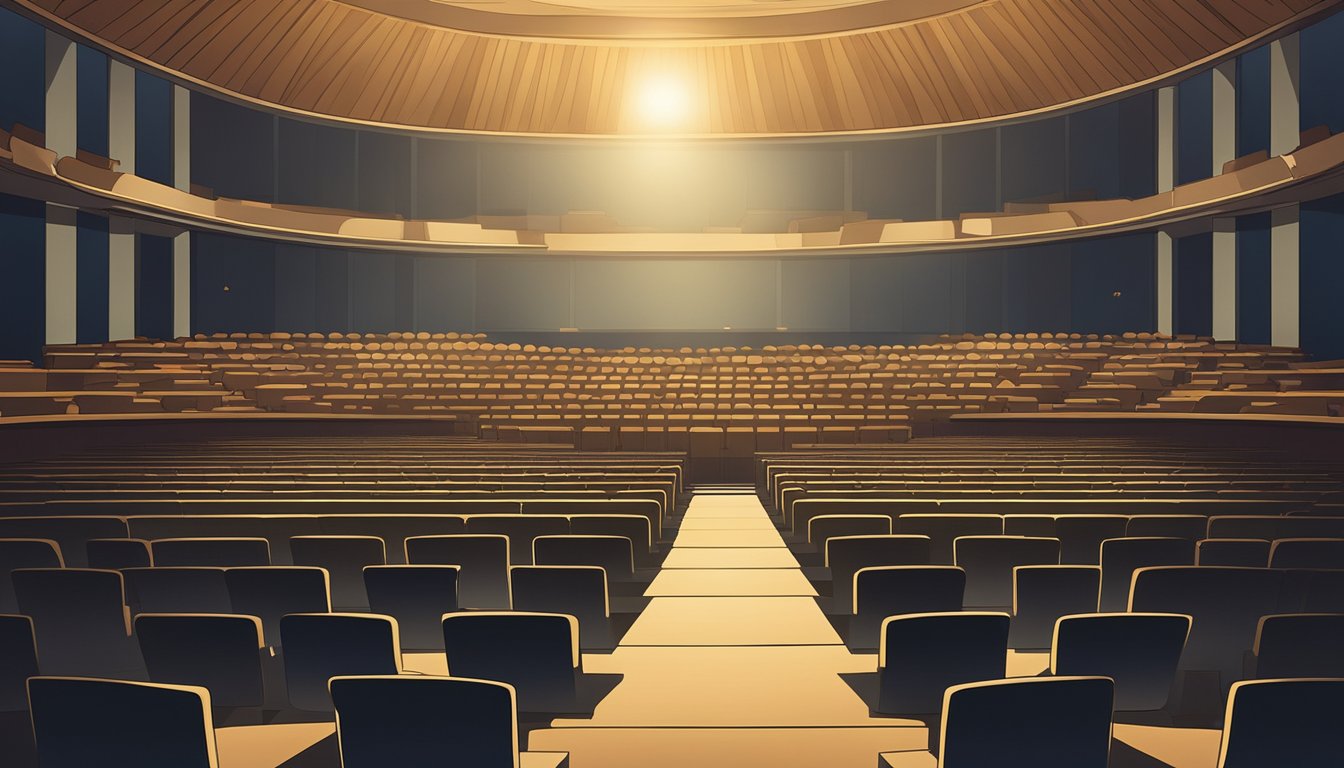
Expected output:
(663, 101)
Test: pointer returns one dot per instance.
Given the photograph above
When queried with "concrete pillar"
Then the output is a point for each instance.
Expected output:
(1166, 285)
(1166, 138)
(121, 115)
(1284, 243)
(1225, 279)
(1224, 115)
(182, 241)
(120, 279)
(62, 240)
(1284, 278)
(61, 232)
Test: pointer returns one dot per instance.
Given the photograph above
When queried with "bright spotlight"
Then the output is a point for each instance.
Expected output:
(663, 101)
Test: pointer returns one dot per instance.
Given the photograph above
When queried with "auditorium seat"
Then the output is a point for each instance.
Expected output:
(1190, 527)
(1120, 558)
(1139, 651)
(483, 560)
(272, 592)
(18, 661)
(321, 646)
(614, 554)
(1237, 553)
(80, 620)
(536, 653)
(520, 529)
(923, 654)
(882, 591)
(989, 562)
(412, 720)
(24, 553)
(344, 558)
(177, 590)
(1080, 536)
(116, 554)
(69, 532)
(222, 653)
(1282, 722)
(1298, 645)
(1042, 594)
(1059, 722)
(1307, 553)
(943, 530)
(417, 596)
(845, 556)
(577, 590)
(218, 552)
(636, 528)
(82, 722)
(823, 527)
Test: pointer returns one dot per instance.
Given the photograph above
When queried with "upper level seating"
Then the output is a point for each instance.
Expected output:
(665, 399)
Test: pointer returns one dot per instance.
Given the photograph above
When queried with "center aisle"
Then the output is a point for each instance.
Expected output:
(731, 664)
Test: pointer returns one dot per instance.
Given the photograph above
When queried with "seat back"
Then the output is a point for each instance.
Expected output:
(1060, 722)
(636, 528)
(536, 653)
(82, 722)
(344, 557)
(1233, 553)
(1307, 553)
(80, 619)
(944, 529)
(823, 527)
(1121, 557)
(321, 646)
(417, 596)
(271, 592)
(521, 530)
(614, 554)
(923, 654)
(483, 581)
(115, 554)
(18, 661)
(219, 652)
(1282, 722)
(1299, 645)
(989, 562)
(417, 720)
(24, 553)
(1225, 604)
(891, 590)
(1043, 593)
(70, 532)
(846, 555)
(221, 552)
(177, 590)
(1080, 536)
(1189, 527)
(1140, 651)
(578, 590)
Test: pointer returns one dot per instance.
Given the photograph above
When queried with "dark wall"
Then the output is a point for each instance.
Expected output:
(1194, 128)
(1253, 315)
(154, 286)
(969, 183)
(892, 179)
(91, 111)
(318, 165)
(1253, 101)
(233, 284)
(153, 128)
(1035, 156)
(1322, 87)
(22, 60)
(1112, 281)
(1193, 284)
(23, 289)
(1322, 233)
(91, 270)
(232, 149)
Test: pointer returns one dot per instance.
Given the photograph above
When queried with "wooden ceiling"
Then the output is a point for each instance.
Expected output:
(988, 61)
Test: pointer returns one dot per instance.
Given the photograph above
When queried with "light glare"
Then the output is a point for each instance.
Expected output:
(663, 101)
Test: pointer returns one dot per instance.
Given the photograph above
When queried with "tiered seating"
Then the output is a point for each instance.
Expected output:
(1149, 564)
(720, 404)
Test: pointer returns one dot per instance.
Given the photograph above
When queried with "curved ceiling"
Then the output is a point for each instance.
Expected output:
(982, 62)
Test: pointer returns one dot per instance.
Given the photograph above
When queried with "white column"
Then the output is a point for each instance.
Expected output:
(62, 239)
(1225, 279)
(182, 241)
(182, 284)
(181, 138)
(62, 94)
(120, 279)
(1284, 278)
(1284, 111)
(1166, 304)
(1166, 138)
(61, 232)
(1224, 115)
(1284, 243)
(121, 115)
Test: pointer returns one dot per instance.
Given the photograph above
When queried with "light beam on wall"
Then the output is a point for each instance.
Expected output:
(663, 102)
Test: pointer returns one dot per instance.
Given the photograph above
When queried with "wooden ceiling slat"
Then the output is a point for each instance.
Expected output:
(987, 60)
